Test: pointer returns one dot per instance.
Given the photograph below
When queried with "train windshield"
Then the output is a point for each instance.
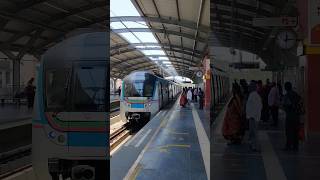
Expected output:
(89, 88)
(56, 88)
(83, 90)
(139, 85)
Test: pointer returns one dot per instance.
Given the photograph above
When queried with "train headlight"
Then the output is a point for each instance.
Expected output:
(149, 104)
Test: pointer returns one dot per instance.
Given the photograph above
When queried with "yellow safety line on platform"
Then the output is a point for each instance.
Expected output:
(136, 172)
(175, 145)
(136, 163)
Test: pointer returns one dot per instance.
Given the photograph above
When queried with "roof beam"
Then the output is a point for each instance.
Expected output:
(10, 16)
(58, 38)
(55, 18)
(165, 45)
(244, 7)
(197, 26)
(197, 54)
(146, 58)
(163, 31)
(163, 20)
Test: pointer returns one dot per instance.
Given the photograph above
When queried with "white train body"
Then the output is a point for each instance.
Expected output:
(144, 94)
(69, 126)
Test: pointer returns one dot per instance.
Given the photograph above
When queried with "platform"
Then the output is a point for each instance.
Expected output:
(114, 97)
(10, 113)
(171, 146)
(237, 162)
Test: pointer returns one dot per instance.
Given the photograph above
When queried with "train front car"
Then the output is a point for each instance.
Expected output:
(139, 97)
(70, 121)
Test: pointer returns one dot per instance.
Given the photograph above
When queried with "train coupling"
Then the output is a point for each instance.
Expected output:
(135, 116)
(83, 172)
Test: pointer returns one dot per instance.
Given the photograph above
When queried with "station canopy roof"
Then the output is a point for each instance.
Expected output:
(32, 26)
(231, 24)
(165, 36)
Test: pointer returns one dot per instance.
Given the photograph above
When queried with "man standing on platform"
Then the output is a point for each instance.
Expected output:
(253, 113)
(274, 102)
(201, 96)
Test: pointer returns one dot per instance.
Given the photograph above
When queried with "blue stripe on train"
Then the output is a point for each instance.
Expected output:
(137, 105)
(87, 139)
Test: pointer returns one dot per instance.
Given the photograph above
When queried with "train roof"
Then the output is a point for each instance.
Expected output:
(87, 46)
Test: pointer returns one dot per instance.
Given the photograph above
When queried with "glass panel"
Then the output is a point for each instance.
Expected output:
(56, 88)
(139, 86)
(90, 88)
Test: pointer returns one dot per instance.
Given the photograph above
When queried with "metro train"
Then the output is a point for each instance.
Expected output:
(221, 86)
(143, 94)
(70, 123)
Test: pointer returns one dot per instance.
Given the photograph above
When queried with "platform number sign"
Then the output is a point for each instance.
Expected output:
(314, 22)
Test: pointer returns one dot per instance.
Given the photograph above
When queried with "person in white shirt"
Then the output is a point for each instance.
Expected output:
(195, 93)
(189, 95)
(253, 113)
(274, 102)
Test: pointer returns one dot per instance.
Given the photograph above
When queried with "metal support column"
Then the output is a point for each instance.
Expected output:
(16, 76)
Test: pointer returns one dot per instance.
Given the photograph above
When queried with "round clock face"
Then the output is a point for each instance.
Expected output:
(199, 73)
(286, 39)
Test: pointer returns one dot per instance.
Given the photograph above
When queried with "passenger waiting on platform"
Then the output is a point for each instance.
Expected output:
(183, 98)
(253, 113)
(244, 88)
(274, 102)
(201, 97)
(192, 90)
(119, 90)
(233, 125)
(195, 94)
(265, 107)
(30, 92)
(291, 101)
(189, 95)
(280, 90)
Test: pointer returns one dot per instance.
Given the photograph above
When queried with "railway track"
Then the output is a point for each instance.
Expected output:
(12, 161)
(10, 173)
(118, 136)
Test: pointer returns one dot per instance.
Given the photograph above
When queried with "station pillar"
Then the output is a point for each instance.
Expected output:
(309, 20)
(16, 76)
(313, 94)
(207, 82)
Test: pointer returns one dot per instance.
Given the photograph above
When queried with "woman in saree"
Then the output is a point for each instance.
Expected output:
(234, 122)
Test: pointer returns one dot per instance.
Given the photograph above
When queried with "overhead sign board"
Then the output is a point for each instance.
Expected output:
(314, 22)
(275, 21)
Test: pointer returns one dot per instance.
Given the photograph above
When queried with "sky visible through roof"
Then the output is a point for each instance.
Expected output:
(126, 8)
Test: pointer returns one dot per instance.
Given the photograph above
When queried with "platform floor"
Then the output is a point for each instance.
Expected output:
(10, 113)
(173, 145)
(114, 97)
(237, 162)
